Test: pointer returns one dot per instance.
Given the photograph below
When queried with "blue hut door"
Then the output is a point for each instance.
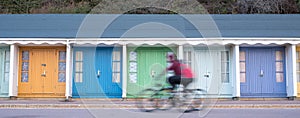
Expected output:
(4, 71)
(97, 72)
(262, 72)
(85, 83)
(108, 71)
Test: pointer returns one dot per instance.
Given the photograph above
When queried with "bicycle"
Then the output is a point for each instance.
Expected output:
(160, 97)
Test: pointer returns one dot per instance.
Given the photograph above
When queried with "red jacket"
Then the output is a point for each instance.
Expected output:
(186, 71)
(181, 69)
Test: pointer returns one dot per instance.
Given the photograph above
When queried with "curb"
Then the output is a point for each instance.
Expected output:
(95, 106)
(271, 106)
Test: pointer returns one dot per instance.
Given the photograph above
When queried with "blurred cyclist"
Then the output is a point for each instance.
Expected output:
(182, 73)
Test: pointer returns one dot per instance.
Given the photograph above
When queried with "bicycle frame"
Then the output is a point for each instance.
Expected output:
(164, 98)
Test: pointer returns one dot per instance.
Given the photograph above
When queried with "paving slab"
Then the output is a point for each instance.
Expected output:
(131, 103)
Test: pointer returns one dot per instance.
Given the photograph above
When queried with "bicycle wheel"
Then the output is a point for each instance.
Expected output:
(192, 100)
(149, 100)
(178, 101)
(195, 100)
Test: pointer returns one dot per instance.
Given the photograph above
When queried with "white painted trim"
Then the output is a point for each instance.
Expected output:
(71, 70)
(34, 39)
(288, 72)
(39, 41)
(13, 71)
(124, 39)
(124, 71)
(291, 75)
(180, 52)
(294, 70)
(236, 71)
(152, 41)
(68, 72)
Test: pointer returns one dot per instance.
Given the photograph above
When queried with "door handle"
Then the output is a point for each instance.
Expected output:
(44, 74)
(261, 72)
(98, 73)
(153, 73)
(207, 74)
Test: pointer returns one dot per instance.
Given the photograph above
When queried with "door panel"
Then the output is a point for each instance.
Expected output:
(50, 69)
(255, 80)
(4, 71)
(203, 72)
(42, 73)
(97, 80)
(148, 64)
(208, 71)
(45, 70)
(298, 70)
(103, 67)
(36, 79)
(111, 67)
(91, 82)
(25, 86)
(267, 72)
(60, 81)
(261, 73)
(298, 88)
(2, 55)
(85, 81)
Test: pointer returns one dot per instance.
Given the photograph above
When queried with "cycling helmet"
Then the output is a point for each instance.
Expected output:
(171, 56)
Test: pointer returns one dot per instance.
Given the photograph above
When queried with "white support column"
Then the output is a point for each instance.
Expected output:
(180, 52)
(291, 74)
(124, 71)
(294, 70)
(13, 71)
(68, 71)
(236, 71)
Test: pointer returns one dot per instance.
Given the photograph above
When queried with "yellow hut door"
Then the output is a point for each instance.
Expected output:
(41, 75)
(298, 71)
(45, 64)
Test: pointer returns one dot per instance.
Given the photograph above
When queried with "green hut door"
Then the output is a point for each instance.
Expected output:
(144, 65)
(4, 71)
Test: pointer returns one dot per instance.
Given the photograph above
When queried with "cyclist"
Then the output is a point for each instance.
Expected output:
(182, 73)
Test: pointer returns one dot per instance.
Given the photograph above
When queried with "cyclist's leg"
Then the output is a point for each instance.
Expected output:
(193, 98)
(174, 80)
(186, 81)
